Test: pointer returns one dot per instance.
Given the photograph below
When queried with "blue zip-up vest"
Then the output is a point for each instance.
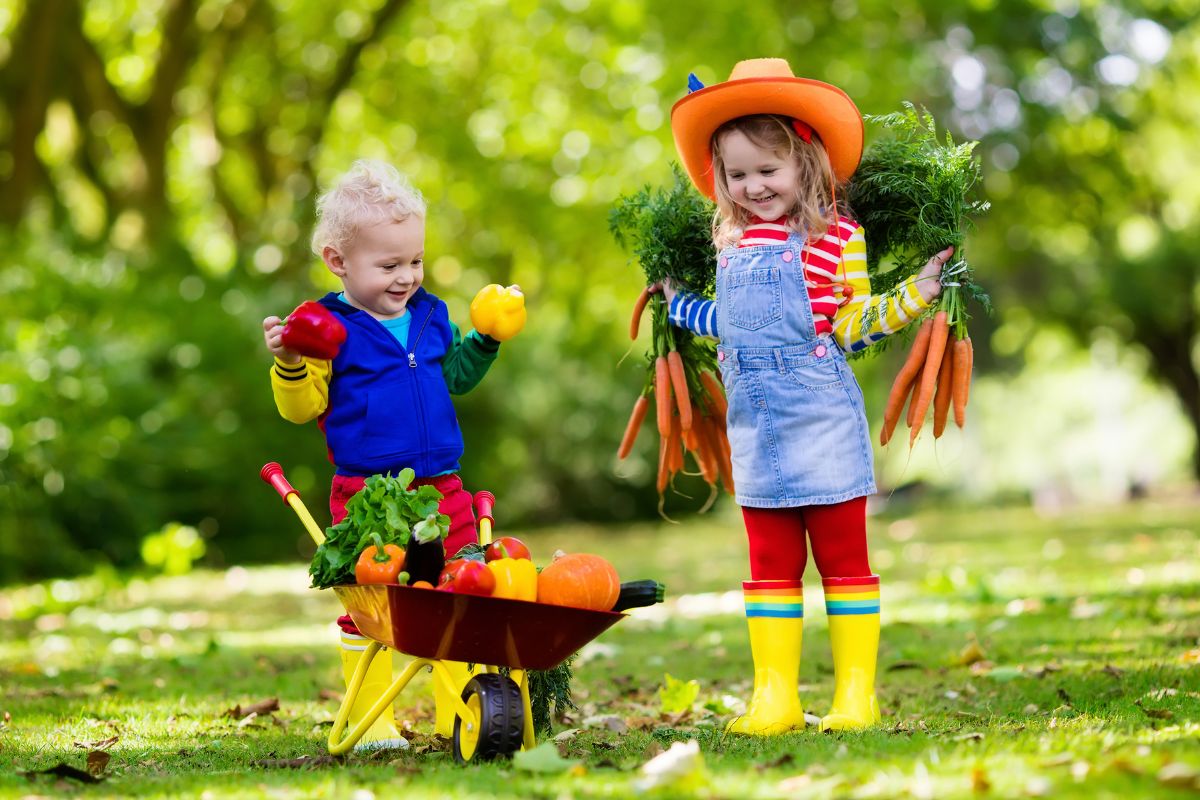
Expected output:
(389, 407)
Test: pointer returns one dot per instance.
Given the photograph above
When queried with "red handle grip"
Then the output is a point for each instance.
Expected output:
(485, 502)
(272, 473)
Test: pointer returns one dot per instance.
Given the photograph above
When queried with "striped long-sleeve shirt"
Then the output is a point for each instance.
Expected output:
(835, 261)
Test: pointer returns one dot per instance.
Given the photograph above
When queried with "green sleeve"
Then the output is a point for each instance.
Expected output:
(468, 360)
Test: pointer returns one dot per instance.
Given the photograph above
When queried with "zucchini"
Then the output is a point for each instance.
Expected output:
(637, 594)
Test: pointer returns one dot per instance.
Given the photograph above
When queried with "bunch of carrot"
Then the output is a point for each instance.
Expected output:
(689, 404)
(937, 372)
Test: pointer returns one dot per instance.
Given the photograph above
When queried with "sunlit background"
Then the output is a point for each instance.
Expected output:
(160, 161)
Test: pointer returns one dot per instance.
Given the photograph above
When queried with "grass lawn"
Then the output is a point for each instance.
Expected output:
(1021, 656)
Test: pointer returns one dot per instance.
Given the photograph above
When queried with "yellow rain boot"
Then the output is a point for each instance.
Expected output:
(382, 733)
(853, 608)
(443, 700)
(775, 616)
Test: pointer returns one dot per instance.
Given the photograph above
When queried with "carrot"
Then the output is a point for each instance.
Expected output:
(719, 447)
(635, 424)
(941, 400)
(910, 416)
(904, 380)
(705, 458)
(683, 399)
(716, 394)
(675, 446)
(962, 379)
(662, 396)
(638, 308)
(664, 475)
(929, 376)
(970, 368)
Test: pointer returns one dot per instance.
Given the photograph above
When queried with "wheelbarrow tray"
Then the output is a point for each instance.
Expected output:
(436, 624)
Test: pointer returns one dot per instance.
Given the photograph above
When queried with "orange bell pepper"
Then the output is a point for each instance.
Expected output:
(379, 563)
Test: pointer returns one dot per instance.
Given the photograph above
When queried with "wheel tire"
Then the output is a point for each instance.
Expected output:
(501, 719)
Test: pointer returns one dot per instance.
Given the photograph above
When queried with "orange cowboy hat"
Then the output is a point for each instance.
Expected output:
(765, 86)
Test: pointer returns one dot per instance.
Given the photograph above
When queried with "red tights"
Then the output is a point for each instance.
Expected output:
(838, 534)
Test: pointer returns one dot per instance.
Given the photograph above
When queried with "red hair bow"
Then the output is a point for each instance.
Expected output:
(803, 130)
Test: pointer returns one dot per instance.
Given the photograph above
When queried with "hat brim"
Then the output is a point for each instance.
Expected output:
(829, 110)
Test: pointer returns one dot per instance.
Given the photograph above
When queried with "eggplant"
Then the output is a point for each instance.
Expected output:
(423, 561)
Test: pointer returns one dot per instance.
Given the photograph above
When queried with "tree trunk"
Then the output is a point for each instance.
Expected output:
(1171, 354)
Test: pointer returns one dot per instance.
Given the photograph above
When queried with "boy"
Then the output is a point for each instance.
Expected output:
(383, 402)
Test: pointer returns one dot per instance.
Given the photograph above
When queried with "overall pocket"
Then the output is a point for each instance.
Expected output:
(755, 298)
(817, 375)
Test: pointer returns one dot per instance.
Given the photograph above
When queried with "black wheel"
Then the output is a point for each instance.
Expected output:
(495, 700)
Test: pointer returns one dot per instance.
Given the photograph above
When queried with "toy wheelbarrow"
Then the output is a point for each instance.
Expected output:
(492, 715)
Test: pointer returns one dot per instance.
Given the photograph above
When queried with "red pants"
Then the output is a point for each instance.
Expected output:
(456, 504)
(838, 534)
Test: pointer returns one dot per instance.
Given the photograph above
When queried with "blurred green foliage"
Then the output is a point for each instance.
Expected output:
(160, 163)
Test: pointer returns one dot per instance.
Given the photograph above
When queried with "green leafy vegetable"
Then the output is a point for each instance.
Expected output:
(914, 194)
(670, 233)
(386, 506)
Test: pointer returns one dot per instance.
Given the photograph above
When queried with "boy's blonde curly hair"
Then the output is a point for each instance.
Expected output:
(369, 193)
(811, 208)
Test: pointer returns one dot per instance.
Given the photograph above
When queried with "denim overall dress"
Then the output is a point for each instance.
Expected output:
(797, 424)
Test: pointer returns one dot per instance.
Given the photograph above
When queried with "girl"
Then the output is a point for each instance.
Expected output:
(792, 296)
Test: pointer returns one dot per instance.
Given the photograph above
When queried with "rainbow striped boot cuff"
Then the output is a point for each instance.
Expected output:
(779, 599)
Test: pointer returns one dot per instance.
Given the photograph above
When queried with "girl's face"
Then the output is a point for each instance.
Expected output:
(760, 180)
(382, 268)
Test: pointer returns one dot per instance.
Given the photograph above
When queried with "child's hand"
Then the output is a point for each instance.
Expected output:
(928, 284)
(273, 335)
(666, 287)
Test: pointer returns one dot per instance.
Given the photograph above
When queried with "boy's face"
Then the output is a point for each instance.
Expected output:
(761, 181)
(382, 268)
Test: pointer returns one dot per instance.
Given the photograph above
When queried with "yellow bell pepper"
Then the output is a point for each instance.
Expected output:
(498, 311)
(516, 578)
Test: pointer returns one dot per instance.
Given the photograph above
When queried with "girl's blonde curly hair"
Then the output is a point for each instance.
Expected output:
(811, 210)
(369, 193)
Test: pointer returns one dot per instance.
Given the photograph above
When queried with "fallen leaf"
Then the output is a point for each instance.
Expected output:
(1116, 672)
(1060, 760)
(1191, 656)
(329, 694)
(1004, 674)
(609, 722)
(680, 767)
(261, 707)
(296, 763)
(970, 654)
(103, 744)
(979, 781)
(97, 762)
(543, 758)
(63, 770)
(676, 695)
(567, 735)
(782, 761)
(1178, 775)
(794, 784)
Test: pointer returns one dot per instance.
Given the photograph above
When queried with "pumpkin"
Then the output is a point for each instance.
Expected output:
(581, 580)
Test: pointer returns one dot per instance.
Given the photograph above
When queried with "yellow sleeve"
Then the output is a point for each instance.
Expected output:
(301, 390)
(885, 313)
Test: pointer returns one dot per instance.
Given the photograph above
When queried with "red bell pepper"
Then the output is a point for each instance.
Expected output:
(312, 330)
